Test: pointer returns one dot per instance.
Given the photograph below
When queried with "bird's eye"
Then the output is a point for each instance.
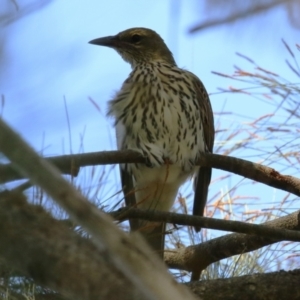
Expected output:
(136, 38)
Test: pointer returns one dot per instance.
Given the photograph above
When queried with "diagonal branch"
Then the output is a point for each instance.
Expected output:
(44, 249)
(129, 255)
(237, 15)
(198, 257)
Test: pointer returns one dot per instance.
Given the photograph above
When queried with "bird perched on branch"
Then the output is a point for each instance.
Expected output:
(164, 113)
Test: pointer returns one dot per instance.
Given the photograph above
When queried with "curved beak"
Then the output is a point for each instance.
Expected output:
(108, 41)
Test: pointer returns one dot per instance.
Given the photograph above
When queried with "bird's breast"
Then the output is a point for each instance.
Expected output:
(157, 113)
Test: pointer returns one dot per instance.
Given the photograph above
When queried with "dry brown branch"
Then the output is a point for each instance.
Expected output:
(198, 257)
(69, 164)
(225, 225)
(47, 251)
(130, 256)
(270, 286)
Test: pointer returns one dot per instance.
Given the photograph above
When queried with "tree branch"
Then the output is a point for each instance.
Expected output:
(270, 286)
(198, 257)
(44, 249)
(237, 15)
(265, 230)
(130, 256)
(54, 256)
(69, 164)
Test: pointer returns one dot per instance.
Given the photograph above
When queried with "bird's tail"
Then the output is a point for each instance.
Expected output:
(202, 182)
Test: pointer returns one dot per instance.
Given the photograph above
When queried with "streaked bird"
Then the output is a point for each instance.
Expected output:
(164, 113)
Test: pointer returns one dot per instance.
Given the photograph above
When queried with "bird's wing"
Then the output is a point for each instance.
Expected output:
(155, 237)
(206, 113)
(129, 195)
(203, 177)
(126, 177)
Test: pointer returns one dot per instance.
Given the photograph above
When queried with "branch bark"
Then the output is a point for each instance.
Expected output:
(204, 222)
(54, 256)
(270, 286)
(44, 249)
(70, 164)
(197, 257)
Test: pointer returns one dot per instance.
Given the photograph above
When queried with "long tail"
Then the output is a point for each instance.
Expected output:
(128, 191)
(201, 190)
(202, 182)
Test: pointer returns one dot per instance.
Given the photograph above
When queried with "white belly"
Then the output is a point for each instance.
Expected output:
(156, 188)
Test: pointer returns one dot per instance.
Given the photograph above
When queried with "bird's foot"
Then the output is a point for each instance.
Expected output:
(152, 161)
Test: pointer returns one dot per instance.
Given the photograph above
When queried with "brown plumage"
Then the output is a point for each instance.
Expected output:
(164, 113)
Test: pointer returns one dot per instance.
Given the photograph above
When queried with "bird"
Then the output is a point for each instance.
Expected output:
(163, 112)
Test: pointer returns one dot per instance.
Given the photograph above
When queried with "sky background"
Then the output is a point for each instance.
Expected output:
(46, 58)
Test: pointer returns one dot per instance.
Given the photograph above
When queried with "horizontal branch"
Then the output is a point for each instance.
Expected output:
(275, 285)
(69, 164)
(204, 222)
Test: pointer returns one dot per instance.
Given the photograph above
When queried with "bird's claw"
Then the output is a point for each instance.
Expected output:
(148, 162)
(152, 161)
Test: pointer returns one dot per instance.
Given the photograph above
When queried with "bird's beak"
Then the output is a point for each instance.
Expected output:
(108, 41)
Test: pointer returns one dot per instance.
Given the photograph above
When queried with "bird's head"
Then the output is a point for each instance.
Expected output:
(138, 45)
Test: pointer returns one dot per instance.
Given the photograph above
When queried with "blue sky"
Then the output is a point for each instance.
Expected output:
(48, 58)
